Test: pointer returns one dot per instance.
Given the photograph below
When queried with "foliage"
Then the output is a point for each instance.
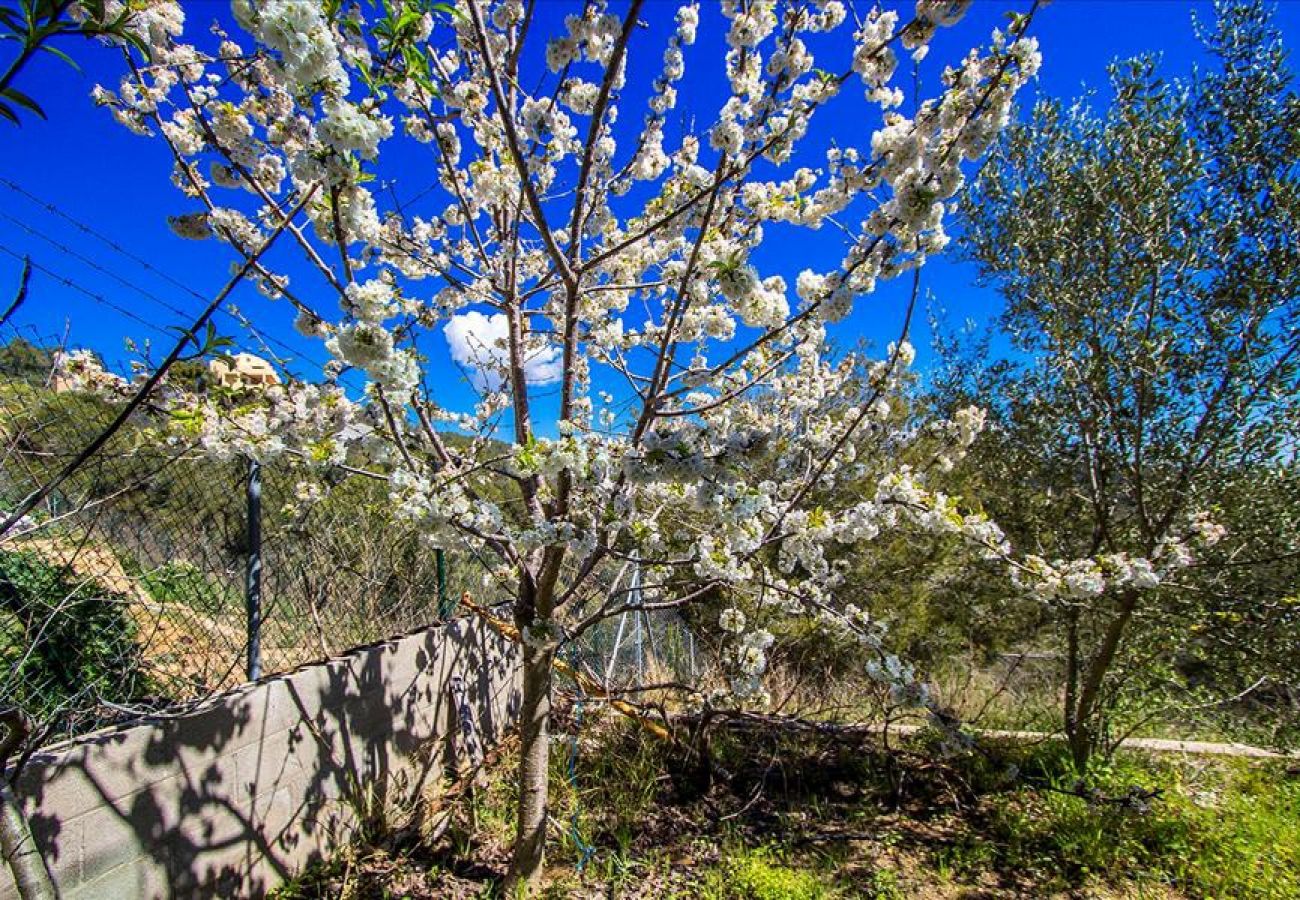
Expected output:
(64, 639)
(21, 360)
(1152, 292)
(1011, 818)
(34, 24)
(757, 874)
(1223, 828)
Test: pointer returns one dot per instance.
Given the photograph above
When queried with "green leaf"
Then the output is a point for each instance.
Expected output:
(186, 334)
(49, 48)
(406, 20)
(22, 99)
(451, 11)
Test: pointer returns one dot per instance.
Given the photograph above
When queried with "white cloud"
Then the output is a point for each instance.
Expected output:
(478, 343)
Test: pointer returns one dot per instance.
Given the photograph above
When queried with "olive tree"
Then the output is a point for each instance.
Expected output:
(1148, 259)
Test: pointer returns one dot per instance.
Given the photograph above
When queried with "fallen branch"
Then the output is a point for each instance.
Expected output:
(462, 783)
(21, 854)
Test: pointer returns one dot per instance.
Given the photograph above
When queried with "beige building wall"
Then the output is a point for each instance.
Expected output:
(243, 369)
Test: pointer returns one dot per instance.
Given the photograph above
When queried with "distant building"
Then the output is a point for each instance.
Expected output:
(243, 370)
(61, 383)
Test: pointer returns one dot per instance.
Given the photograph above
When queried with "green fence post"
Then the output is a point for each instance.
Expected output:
(445, 604)
(253, 572)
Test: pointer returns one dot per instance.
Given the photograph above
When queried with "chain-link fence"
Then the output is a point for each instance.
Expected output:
(638, 647)
(155, 575)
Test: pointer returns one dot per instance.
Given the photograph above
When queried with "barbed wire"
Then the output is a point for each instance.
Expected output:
(124, 593)
(90, 263)
(181, 314)
(77, 286)
(144, 264)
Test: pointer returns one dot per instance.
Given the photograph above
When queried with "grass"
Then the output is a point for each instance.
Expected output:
(784, 818)
(1222, 829)
(758, 873)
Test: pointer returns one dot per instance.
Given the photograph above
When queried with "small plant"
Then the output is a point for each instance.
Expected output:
(886, 886)
(757, 874)
(184, 583)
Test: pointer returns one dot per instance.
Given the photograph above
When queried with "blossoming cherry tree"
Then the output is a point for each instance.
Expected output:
(702, 424)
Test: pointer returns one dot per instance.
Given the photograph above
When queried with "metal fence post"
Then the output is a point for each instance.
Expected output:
(253, 574)
(445, 605)
(636, 600)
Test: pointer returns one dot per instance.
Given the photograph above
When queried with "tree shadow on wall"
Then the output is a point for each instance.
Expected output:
(237, 795)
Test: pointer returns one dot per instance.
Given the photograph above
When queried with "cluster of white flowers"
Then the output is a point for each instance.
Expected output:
(650, 160)
(593, 35)
(545, 123)
(306, 494)
(760, 303)
(372, 301)
(905, 688)
(874, 61)
(299, 33)
(732, 620)
(349, 129)
(745, 660)
(1204, 530)
(369, 346)
(317, 423)
(750, 653)
(235, 227)
(1076, 580)
(581, 96)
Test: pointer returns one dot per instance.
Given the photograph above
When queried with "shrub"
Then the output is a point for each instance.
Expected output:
(63, 637)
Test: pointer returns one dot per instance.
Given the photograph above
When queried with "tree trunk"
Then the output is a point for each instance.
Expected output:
(1088, 719)
(25, 862)
(534, 752)
(1078, 741)
(24, 859)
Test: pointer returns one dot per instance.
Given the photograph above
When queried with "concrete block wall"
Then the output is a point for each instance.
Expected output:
(235, 796)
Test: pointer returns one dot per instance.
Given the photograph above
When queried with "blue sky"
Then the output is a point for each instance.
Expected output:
(97, 174)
